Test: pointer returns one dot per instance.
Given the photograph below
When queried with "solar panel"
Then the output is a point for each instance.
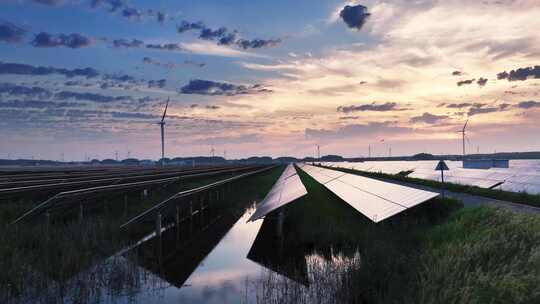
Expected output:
(288, 188)
(375, 199)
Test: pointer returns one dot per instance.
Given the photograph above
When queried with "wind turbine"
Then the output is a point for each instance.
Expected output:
(162, 125)
(463, 135)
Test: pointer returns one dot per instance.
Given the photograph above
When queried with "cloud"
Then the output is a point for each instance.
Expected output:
(528, 104)
(354, 16)
(356, 130)
(428, 118)
(132, 13)
(134, 43)
(185, 26)
(11, 33)
(130, 115)
(73, 41)
(209, 48)
(208, 87)
(480, 108)
(166, 47)
(384, 107)
(157, 83)
(481, 81)
(257, 43)
(459, 105)
(161, 17)
(168, 65)
(465, 82)
(521, 74)
(19, 90)
(63, 95)
(25, 69)
(224, 36)
(457, 73)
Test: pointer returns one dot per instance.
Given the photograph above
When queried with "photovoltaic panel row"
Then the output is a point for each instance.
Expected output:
(373, 198)
(288, 188)
(522, 176)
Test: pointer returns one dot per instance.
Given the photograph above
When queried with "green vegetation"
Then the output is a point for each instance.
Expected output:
(438, 252)
(515, 197)
(72, 260)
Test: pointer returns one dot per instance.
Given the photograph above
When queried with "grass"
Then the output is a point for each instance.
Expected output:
(515, 197)
(70, 260)
(438, 252)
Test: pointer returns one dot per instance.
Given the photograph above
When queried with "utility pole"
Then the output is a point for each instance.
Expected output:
(369, 151)
(116, 155)
(318, 153)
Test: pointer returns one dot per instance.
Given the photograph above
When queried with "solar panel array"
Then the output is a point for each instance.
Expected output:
(375, 199)
(522, 176)
(287, 189)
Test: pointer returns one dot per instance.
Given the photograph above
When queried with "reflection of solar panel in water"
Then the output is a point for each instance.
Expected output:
(373, 198)
(288, 188)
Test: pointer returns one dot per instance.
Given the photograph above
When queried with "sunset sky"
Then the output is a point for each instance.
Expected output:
(267, 77)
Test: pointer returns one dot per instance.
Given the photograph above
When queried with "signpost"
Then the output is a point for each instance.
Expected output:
(441, 166)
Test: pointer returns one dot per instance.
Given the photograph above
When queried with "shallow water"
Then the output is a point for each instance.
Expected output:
(220, 278)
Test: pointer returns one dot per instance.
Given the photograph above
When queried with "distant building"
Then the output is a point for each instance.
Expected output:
(485, 163)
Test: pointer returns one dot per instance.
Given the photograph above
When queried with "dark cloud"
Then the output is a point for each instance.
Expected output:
(19, 90)
(166, 47)
(457, 73)
(224, 36)
(459, 105)
(528, 104)
(481, 81)
(73, 41)
(136, 115)
(480, 108)
(384, 107)
(521, 74)
(11, 33)
(210, 34)
(356, 130)
(208, 87)
(170, 66)
(134, 43)
(132, 13)
(185, 26)
(157, 83)
(257, 43)
(161, 17)
(36, 104)
(212, 107)
(25, 69)
(120, 78)
(428, 118)
(354, 16)
(63, 95)
(464, 82)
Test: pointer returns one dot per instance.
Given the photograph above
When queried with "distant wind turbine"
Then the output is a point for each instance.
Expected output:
(162, 125)
(463, 133)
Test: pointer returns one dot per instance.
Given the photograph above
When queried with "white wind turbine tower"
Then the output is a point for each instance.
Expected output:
(463, 135)
(162, 125)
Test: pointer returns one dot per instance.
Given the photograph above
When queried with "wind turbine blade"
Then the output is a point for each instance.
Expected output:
(165, 112)
(465, 126)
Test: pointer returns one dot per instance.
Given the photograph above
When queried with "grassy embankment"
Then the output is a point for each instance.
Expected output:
(65, 260)
(437, 252)
(515, 197)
